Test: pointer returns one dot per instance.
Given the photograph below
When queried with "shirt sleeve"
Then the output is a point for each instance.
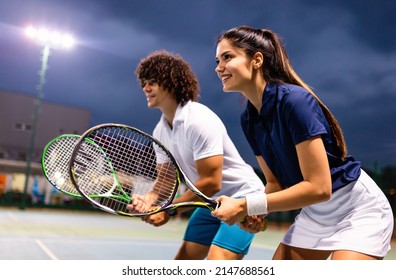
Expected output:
(206, 136)
(303, 116)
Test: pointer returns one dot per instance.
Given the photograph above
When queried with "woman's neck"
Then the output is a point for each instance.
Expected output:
(255, 94)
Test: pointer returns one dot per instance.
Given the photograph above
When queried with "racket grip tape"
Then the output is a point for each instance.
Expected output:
(263, 228)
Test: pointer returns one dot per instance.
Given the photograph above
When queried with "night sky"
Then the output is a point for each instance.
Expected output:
(345, 50)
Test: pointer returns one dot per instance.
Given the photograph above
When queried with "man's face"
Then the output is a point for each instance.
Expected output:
(156, 95)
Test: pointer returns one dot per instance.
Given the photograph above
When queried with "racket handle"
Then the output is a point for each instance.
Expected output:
(213, 205)
(263, 228)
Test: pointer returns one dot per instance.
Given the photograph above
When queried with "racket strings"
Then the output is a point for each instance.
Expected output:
(56, 163)
(143, 157)
(123, 165)
(93, 173)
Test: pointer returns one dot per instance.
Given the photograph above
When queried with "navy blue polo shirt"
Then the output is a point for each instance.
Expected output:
(288, 116)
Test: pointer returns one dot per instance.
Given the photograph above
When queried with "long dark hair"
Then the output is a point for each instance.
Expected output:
(277, 68)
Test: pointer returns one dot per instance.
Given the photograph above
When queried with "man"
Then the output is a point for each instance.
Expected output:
(198, 140)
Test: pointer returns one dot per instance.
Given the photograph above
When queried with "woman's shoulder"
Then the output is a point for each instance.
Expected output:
(290, 91)
(292, 94)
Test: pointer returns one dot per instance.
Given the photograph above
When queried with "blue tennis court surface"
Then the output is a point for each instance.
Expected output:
(74, 235)
(33, 234)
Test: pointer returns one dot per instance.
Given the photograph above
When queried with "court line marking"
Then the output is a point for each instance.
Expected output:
(46, 250)
(12, 216)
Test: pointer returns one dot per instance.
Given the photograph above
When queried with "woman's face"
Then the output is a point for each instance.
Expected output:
(234, 67)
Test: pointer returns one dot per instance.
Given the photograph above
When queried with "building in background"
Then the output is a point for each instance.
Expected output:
(16, 123)
(16, 117)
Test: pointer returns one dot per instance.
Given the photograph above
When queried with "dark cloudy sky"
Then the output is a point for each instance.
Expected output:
(346, 50)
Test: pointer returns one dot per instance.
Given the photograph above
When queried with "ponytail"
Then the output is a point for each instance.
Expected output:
(278, 69)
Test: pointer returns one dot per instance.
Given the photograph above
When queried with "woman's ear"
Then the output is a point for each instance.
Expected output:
(258, 60)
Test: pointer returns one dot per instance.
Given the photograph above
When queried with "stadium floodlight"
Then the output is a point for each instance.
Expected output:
(52, 39)
(49, 40)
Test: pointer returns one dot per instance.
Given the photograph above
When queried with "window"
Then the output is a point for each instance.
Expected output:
(22, 126)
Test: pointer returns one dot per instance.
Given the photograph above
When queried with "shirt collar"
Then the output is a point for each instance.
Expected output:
(268, 103)
(180, 113)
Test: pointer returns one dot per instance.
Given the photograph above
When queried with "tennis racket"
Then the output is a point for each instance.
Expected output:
(55, 163)
(127, 165)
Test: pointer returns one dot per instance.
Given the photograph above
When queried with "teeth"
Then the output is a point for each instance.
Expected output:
(225, 77)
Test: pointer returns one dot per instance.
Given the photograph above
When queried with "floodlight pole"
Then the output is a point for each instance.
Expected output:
(37, 108)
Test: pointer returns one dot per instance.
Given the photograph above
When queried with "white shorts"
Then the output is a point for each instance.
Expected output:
(358, 217)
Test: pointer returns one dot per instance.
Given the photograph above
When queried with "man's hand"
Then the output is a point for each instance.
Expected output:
(157, 220)
(142, 203)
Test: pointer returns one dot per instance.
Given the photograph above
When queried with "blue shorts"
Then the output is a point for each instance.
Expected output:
(205, 229)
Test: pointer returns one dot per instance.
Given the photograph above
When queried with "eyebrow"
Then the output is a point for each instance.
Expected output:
(223, 53)
(229, 52)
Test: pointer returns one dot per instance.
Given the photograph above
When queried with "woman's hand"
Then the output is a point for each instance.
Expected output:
(254, 224)
(231, 210)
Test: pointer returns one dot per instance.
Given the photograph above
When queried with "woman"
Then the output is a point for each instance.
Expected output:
(199, 141)
(301, 150)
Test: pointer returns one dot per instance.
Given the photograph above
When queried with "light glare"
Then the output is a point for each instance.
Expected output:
(49, 38)
(43, 35)
(31, 32)
(67, 41)
(55, 38)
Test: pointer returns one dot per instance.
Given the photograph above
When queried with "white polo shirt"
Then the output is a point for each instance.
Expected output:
(199, 133)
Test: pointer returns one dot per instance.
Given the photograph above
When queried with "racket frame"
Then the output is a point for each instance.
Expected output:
(181, 177)
(45, 167)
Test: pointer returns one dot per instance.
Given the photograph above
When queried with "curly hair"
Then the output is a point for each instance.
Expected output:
(171, 72)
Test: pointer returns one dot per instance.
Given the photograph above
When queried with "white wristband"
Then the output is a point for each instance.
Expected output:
(256, 204)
